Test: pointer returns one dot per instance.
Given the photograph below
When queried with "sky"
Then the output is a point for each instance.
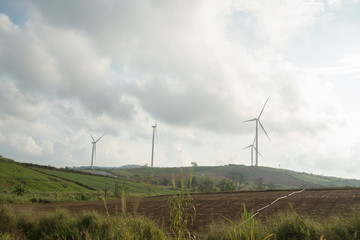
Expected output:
(199, 68)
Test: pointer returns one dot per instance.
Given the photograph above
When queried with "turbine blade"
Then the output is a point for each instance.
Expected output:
(100, 138)
(264, 130)
(254, 119)
(254, 141)
(247, 147)
(258, 152)
(263, 107)
(92, 138)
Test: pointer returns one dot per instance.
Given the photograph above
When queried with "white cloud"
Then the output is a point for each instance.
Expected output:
(26, 144)
(276, 22)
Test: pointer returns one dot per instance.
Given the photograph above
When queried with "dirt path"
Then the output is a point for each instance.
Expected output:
(317, 203)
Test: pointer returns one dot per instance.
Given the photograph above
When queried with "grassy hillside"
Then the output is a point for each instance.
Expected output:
(276, 178)
(153, 181)
(13, 174)
(42, 179)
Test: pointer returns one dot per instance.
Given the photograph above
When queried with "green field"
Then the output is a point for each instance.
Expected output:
(64, 184)
(13, 174)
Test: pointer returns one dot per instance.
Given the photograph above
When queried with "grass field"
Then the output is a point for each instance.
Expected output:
(47, 184)
(12, 174)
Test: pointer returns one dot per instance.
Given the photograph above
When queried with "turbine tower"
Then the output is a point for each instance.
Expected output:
(93, 153)
(153, 137)
(257, 123)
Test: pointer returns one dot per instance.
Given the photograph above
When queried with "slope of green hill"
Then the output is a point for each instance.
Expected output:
(13, 174)
(42, 179)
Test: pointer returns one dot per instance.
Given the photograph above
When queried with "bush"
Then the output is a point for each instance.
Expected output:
(292, 226)
(19, 190)
(90, 225)
(226, 185)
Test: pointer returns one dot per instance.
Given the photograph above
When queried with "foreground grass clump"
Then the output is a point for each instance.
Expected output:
(286, 226)
(90, 225)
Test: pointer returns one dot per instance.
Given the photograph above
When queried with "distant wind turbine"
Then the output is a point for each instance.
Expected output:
(252, 146)
(257, 120)
(93, 153)
(153, 137)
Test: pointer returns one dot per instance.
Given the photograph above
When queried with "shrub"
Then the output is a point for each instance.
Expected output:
(226, 185)
(293, 226)
(19, 190)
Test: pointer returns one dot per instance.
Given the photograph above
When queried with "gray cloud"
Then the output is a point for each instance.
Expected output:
(67, 69)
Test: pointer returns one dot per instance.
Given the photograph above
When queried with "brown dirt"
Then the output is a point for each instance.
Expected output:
(320, 203)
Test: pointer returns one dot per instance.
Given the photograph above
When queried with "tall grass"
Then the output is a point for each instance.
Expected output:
(182, 209)
(286, 226)
(89, 225)
(247, 229)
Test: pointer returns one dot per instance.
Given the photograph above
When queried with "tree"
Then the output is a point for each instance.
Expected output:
(259, 183)
(237, 178)
(194, 164)
(106, 189)
(206, 185)
(165, 182)
(226, 185)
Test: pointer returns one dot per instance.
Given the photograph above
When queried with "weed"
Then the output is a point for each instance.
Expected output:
(182, 209)
(245, 230)
(123, 202)
(19, 190)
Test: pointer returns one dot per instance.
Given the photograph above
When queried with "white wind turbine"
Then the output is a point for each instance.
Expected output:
(93, 153)
(153, 137)
(257, 120)
(252, 146)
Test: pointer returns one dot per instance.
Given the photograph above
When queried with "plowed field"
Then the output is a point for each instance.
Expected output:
(317, 203)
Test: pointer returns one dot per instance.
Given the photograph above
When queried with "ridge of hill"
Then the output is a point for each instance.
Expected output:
(245, 175)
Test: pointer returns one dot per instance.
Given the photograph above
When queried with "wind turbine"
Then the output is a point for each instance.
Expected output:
(257, 121)
(153, 136)
(93, 153)
(252, 150)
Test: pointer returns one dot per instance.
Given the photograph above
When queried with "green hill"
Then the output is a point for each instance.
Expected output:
(143, 181)
(246, 175)
(43, 179)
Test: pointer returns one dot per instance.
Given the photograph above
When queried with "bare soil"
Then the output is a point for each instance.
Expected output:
(319, 203)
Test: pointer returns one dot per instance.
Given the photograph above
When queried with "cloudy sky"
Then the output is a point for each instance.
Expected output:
(199, 68)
